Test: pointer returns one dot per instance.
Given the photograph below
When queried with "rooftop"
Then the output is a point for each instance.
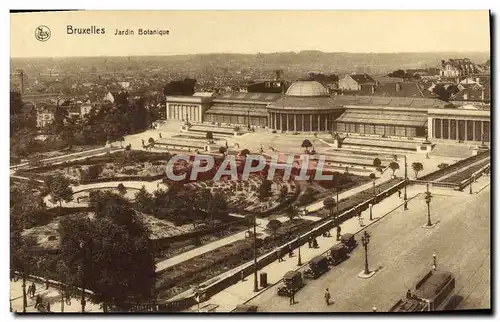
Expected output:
(307, 89)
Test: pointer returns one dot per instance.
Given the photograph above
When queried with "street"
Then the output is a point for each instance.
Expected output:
(401, 251)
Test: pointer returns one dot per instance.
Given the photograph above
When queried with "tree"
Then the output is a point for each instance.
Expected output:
(442, 165)
(307, 197)
(417, 167)
(59, 189)
(265, 189)
(109, 254)
(394, 166)
(441, 91)
(92, 172)
(306, 144)
(283, 194)
(244, 152)
(292, 212)
(372, 176)
(377, 163)
(144, 200)
(274, 225)
(121, 189)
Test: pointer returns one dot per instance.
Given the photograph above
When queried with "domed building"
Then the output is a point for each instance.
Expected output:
(306, 107)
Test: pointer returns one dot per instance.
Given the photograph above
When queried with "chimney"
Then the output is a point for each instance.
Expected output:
(398, 87)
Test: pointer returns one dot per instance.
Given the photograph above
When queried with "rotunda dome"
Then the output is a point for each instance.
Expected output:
(308, 89)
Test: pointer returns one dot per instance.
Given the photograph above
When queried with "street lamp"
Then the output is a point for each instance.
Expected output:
(255, 281)
(299, 259)
(428, 197)
(84, 268)
(365, 240)
(406, 183)
(470, 186)
(434, 259)
(329, 203)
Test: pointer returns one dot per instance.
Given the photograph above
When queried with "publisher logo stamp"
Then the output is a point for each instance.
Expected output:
(42, 33)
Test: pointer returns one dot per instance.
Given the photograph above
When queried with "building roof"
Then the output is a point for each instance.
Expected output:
(402, 89)
(237, 96)
(235, 109)
(408, 102)
(363, 79)
(477, 93)
(305, 103)
(203, 94)
(383, 118)
(307, 89)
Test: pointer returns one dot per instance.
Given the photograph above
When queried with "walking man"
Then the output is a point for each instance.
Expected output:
(327, 297)
(290, 251)
(292, 297)
(399, 194)
(361, 220)
(33, 289)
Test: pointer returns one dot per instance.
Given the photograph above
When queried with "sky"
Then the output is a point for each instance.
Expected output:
(194, 32)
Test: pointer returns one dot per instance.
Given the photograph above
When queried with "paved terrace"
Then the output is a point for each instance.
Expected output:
(391, 208)
(401, 250)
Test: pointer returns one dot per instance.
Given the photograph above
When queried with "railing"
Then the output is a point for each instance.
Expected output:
(435, 184)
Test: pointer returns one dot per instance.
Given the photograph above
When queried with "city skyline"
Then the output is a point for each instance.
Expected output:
(262, 32)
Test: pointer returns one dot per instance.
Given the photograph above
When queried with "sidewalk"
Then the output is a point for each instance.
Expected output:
(51, 295)
(241, 292)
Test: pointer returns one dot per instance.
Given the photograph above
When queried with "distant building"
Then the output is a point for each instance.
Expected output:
(401, 89)
(475, 95)
(457, 68)
(44, 115)
(357, 82)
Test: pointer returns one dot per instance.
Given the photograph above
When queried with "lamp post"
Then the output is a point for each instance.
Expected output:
(25, 301)
(84, 268)
(434, 259)
(299, 259)
(470, 185)
(406, 183)
(255, 281)
(428, 197)
(365, 240)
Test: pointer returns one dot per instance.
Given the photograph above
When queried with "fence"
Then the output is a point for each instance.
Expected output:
(460, 164)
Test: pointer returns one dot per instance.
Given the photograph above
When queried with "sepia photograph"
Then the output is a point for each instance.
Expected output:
(250, 162)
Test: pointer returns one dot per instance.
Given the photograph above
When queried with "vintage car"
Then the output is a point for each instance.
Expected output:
(245, 308)
(349, 241)
(292, 282)
(338, 253)
(317, 267)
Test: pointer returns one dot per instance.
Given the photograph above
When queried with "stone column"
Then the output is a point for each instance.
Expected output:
(442, 127)
(167, 112)
(326, 122)
(310, 122)
(456, 130)
(465, 130)
(303, 116)
(319, 123)
(473, 130)
(295, 122)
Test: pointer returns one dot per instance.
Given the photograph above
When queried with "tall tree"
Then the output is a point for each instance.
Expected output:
(417, 167)
(59, 189)
(110, 254)
(394, 166)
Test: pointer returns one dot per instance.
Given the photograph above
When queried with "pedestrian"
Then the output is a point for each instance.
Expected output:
(315, 243)
(290, 251)
(427, 155)
(48, 306)
(408, 294)
(278, 252)
(361, 220)
(399, 194)
(292, 297)
(159, 135)
(38, 301)
(46, 284)
(327, 297)
(33, 289)
(309, 242)
(374, 308)
(242, 276)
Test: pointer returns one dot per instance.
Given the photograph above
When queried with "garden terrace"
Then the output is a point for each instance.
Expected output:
(454, 167)
(212, 128)
(194, 136)
(466, 173)
(382, 144)
(183, 143)
(343, 181)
